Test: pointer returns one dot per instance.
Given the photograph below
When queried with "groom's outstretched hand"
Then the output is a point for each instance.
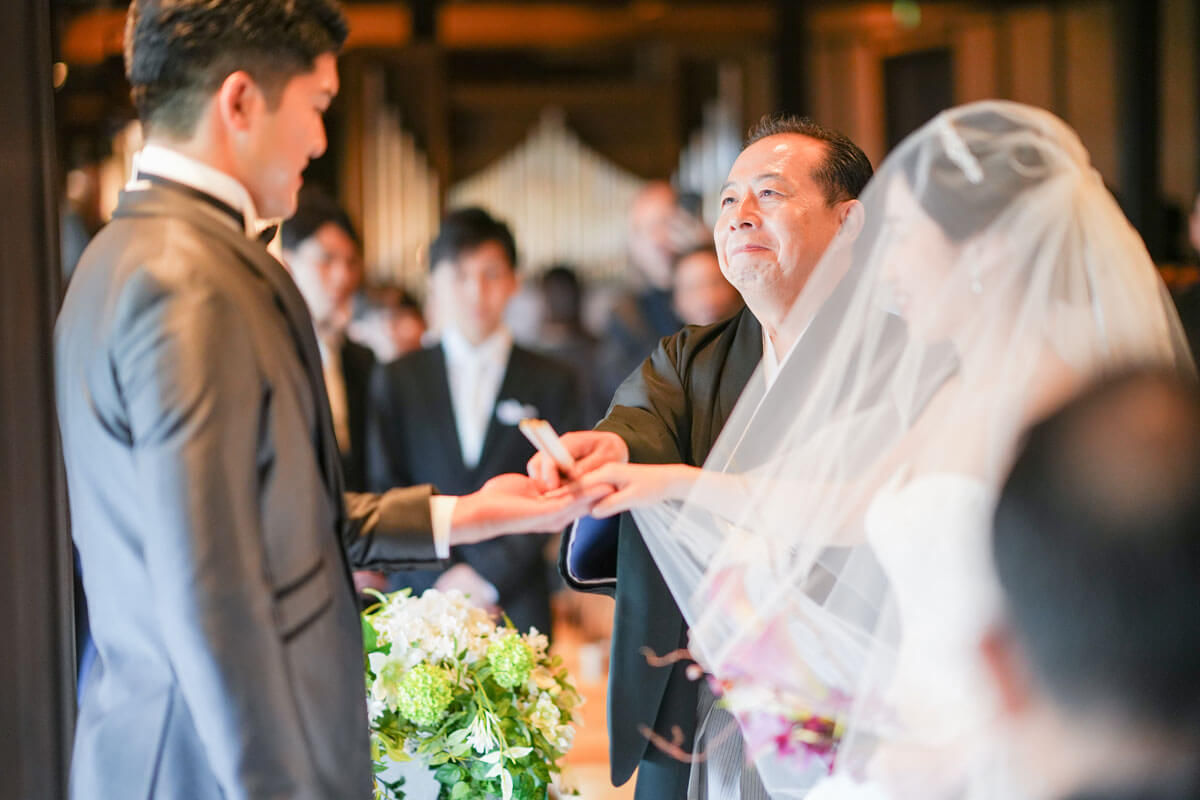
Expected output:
(516, 504)
(590, 449)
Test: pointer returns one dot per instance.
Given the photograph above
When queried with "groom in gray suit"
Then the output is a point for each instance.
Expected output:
(205, 488)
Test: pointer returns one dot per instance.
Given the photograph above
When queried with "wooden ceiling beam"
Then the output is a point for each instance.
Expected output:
(96, 35)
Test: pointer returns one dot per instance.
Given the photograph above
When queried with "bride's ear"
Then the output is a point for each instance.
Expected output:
(852, 219)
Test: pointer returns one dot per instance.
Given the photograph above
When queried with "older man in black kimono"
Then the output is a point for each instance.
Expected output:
(790, 191)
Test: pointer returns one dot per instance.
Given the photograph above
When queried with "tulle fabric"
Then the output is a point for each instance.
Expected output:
(989, 273)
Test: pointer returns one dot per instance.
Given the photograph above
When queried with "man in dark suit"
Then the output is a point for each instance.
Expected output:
(448, 414)
(789, 193)
(205, 487)
(1097, 547)
(321, 251)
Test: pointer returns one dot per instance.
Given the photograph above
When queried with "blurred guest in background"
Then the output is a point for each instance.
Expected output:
(1097, 546)
(391, 323)
(79, 217)
(702, 295)
(563, 336)
(448, 414)
(320, 249)
(659, 230)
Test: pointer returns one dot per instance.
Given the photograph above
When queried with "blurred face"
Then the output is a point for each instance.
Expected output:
(702, 295)
(929, 286)
(406, 330)
(274, 146)
(327, 270)
(474, 290)
(774, 221)
(651, 239)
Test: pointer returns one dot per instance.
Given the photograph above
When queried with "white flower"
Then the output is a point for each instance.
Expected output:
(537, 641)
(480, 737)
(374, 707)
(545, 716)
(540, 678)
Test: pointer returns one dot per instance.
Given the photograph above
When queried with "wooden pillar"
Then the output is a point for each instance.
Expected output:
(790, 43)
(1138, 124)
(424, 20)
(37, 668)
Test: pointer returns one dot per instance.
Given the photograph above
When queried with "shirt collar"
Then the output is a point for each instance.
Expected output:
(493, 349)
(155, 159)
(772, 363)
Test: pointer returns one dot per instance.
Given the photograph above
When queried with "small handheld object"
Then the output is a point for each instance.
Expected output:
(542, 436)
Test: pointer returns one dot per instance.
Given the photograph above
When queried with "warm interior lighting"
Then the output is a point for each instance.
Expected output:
(59, 74)
(907, 13)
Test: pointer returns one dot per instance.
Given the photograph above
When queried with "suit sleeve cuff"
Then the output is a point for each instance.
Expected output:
(441, 510)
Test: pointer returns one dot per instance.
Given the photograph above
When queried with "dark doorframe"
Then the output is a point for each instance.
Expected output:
(36, 637)
(916, 87)
(1138, 66)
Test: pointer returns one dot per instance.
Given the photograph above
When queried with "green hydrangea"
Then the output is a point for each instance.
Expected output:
(424, 694)
(511, 661)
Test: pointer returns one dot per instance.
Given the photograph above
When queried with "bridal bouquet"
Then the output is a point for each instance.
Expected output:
(484, 707)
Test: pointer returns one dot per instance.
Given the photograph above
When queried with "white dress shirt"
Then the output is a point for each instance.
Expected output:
(154, 159)
(474, 372)
(166, 163)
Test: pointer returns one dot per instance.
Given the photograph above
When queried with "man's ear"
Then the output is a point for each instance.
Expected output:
(237, 100)
(851, 217)
(1008, 669)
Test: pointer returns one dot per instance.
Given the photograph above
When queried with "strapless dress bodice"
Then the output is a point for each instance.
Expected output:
(931, 536)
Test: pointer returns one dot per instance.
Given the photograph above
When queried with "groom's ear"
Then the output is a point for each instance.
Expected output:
(852, 218)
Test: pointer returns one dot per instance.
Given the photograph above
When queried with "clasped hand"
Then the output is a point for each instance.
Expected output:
(602, 464)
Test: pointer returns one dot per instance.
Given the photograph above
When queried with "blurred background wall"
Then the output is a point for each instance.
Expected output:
(553, 113)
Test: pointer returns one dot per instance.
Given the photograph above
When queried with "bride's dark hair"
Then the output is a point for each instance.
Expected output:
(975, 173)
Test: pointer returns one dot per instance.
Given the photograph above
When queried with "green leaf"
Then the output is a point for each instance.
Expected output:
(460, 790)
(370, 638)
(449, 774)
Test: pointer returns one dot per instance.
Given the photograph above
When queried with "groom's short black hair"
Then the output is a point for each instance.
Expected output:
(846, 169)
(1097, 547)
(178, 52)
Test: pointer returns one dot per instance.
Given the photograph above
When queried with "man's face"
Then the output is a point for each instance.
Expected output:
(774, 221)
(474, 290)
(277, 145)
(327, 270)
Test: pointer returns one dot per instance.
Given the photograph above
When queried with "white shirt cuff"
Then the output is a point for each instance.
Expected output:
(441, 510)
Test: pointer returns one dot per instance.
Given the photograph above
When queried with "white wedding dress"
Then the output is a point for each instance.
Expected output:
(930, 535)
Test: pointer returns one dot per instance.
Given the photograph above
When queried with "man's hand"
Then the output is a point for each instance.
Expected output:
(516, 504)
(590, 449)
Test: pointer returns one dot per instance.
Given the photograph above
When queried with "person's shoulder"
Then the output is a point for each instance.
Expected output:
(152, 259)
(542, 363)
(692, 341)
(411, 363)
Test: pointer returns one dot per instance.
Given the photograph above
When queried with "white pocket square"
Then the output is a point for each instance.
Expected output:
(510, 411)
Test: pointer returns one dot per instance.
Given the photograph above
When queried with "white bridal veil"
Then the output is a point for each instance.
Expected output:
(992, 274)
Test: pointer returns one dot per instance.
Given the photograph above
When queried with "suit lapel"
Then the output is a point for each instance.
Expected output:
(745, 352)
(440, 408)
(163, 201)
(514, 377)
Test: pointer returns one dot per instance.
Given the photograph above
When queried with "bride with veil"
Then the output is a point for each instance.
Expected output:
(832, 556)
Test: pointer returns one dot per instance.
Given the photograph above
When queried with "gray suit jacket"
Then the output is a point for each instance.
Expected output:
(207, 505)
